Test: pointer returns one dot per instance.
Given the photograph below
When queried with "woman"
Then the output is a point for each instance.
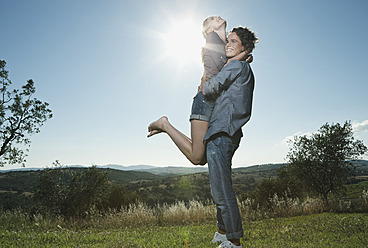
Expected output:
(214, 58)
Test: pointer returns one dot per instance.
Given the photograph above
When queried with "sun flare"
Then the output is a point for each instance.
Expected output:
(183, 42)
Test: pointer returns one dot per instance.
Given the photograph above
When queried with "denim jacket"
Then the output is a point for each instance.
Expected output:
(233, 89)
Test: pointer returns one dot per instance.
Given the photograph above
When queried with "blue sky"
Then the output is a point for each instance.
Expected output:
(108, 69)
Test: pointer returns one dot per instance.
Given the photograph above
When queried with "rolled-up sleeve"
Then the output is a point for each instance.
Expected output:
(214, 86)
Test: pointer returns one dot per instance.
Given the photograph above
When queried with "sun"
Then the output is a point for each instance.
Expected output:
(182, 42)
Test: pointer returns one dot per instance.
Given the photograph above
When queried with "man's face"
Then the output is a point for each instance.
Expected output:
(233, 46)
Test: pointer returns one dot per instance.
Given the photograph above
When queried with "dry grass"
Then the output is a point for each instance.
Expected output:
(280, 208)
(195, 212)
(180, 213)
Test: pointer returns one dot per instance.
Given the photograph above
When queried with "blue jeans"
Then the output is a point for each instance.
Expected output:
(220, 151)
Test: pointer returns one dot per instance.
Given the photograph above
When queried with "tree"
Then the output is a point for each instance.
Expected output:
(20, 116)
(72, 192)
(87, 189)
(284, 186)
(53, 187)
(322, 161)
(119, 197)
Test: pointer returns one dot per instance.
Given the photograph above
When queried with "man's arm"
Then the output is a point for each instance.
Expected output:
(214, 86)
(244, 56)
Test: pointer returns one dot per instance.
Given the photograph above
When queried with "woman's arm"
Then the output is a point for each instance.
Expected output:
(243, 56)
(213, 54)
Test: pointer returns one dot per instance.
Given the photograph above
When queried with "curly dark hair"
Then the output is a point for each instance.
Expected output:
(247, 37)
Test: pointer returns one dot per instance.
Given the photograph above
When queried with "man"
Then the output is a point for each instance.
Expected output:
(233, 89)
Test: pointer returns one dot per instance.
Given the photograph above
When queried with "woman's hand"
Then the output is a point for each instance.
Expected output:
(249, 58)
(203, 81)
(245, 56)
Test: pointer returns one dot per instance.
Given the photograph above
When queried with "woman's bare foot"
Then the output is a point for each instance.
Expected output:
(157, 126)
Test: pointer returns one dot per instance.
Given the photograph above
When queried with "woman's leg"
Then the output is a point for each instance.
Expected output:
(193, 149)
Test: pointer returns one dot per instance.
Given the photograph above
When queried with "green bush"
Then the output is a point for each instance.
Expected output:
(73, 193)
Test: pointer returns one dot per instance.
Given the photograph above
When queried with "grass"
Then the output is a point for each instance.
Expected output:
(316, 230)
(190, 225)
(319, 230)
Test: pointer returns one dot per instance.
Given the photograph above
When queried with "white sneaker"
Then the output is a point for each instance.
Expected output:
(219, 238)
(228, 244)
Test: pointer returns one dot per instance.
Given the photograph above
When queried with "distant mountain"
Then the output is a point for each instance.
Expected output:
(21, 169)
(127, 168)
(181, 170)
(110, 166)
(177, 170)
(259, 168)
(157, 170)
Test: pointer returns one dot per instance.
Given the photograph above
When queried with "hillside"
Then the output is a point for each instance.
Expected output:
(27, 181)
(196, 185)
(158, 184)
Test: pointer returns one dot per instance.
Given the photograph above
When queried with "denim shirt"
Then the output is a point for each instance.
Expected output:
(233, 89)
